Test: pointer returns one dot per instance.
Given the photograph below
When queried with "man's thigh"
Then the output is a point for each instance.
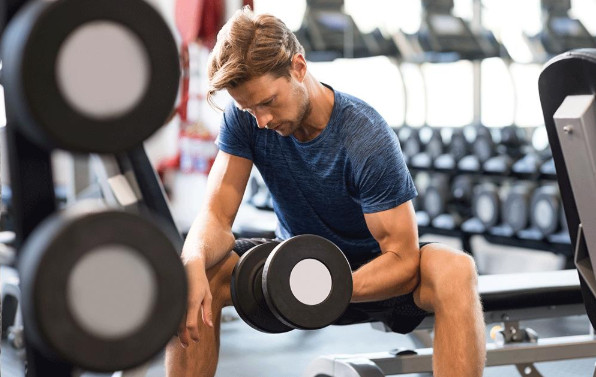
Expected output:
(400, 314)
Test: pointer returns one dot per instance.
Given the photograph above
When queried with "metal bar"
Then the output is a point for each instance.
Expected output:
(548, 349)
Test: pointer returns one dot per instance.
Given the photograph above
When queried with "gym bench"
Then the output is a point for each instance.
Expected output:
(507, 299)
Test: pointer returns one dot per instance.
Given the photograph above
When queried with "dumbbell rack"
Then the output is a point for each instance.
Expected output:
(465, 236)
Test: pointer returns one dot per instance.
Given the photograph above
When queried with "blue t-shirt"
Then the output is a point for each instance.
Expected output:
(324, 186)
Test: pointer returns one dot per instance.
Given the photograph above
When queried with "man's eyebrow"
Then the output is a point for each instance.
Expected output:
(258, 104)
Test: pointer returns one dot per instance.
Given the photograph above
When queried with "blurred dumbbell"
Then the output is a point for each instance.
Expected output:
(457, 147)
(516, 205)
(462, 192)
(545, 209)
(534, 155)
(437, 195)
(421, 181)
(409, 141)
(486, 204)
(511, 140)
(432, 147)
(480, 138)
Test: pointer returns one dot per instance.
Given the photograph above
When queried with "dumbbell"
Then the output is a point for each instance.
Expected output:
(535, 155)
(487, 204)
(516, 205)
(437, 195)
(483, 147)
(432, 145)
(462, 191)
(510, 140)
(421, 181)
(409, 140)
(457, 147)
(304, 282)
(545, 209)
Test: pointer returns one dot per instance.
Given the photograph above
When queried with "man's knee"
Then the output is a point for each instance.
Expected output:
(447, 272)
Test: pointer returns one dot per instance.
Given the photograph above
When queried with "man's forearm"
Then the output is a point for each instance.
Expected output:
(386, 276)
(208, 241)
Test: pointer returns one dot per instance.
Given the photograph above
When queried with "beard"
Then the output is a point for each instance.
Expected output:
(304, 110)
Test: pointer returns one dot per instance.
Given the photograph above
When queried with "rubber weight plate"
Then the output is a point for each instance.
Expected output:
(437, 195)
(545, 209)
(89, 76)
(307, 282)
(247, 291)
(104, 290)
(516, 206)
(486, 204)
(462, 188)
(458, 146)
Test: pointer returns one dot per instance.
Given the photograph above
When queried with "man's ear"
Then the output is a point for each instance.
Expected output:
(298, 68)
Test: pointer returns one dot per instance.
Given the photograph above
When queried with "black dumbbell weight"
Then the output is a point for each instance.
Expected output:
(247, 291)
(456, 146)
(462, 191)
(483, 147)
(304, 282)
(516, 205)
(437, 195)
(487, 204)
(409, 140)
(432, 145)
(545, 207)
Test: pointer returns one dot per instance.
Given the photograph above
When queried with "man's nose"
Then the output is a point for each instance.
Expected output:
(263, 118)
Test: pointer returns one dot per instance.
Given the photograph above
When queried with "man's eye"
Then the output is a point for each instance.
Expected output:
(268, 102)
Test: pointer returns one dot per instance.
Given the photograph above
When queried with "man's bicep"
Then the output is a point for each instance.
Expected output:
(394, 229)
(226, 184)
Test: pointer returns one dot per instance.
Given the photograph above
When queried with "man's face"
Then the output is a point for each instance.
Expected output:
(279, 104)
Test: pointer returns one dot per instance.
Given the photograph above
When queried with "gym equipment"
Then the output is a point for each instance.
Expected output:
(510, 142)
(123, 88)
(431, 143)
(74, 252)
(437, 195)
(102, 45)
(545, 209)
(246, 288)
(560, 32)
(566, 88)
(409, 139)
(486, 204)
(483, 148)
(304, 282)
(534, 156)
(457, 147)
(444, 37)
(516, 205)
(508, 299)
(328, 33)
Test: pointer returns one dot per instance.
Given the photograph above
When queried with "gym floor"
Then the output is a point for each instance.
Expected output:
(248, 353)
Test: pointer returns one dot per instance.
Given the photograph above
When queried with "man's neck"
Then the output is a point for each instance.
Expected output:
(321, 100)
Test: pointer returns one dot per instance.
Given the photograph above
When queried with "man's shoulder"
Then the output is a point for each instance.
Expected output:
(356, 114)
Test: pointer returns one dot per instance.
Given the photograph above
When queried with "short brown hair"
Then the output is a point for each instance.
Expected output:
(250, 46)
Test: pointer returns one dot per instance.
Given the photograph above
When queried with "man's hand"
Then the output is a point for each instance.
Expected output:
(199, 303)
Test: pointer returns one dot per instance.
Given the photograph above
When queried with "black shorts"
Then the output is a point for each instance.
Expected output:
(399, 313)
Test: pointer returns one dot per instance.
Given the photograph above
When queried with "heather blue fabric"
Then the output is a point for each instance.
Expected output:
(324, 186)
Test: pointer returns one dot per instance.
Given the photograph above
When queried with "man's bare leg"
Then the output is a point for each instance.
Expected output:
(200, 359)
(448, 287)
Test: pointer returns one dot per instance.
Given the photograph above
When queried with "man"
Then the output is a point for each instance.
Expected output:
(334, 169)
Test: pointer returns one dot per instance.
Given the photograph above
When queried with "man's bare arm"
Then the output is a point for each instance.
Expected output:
(210, 236)
(396, 271)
